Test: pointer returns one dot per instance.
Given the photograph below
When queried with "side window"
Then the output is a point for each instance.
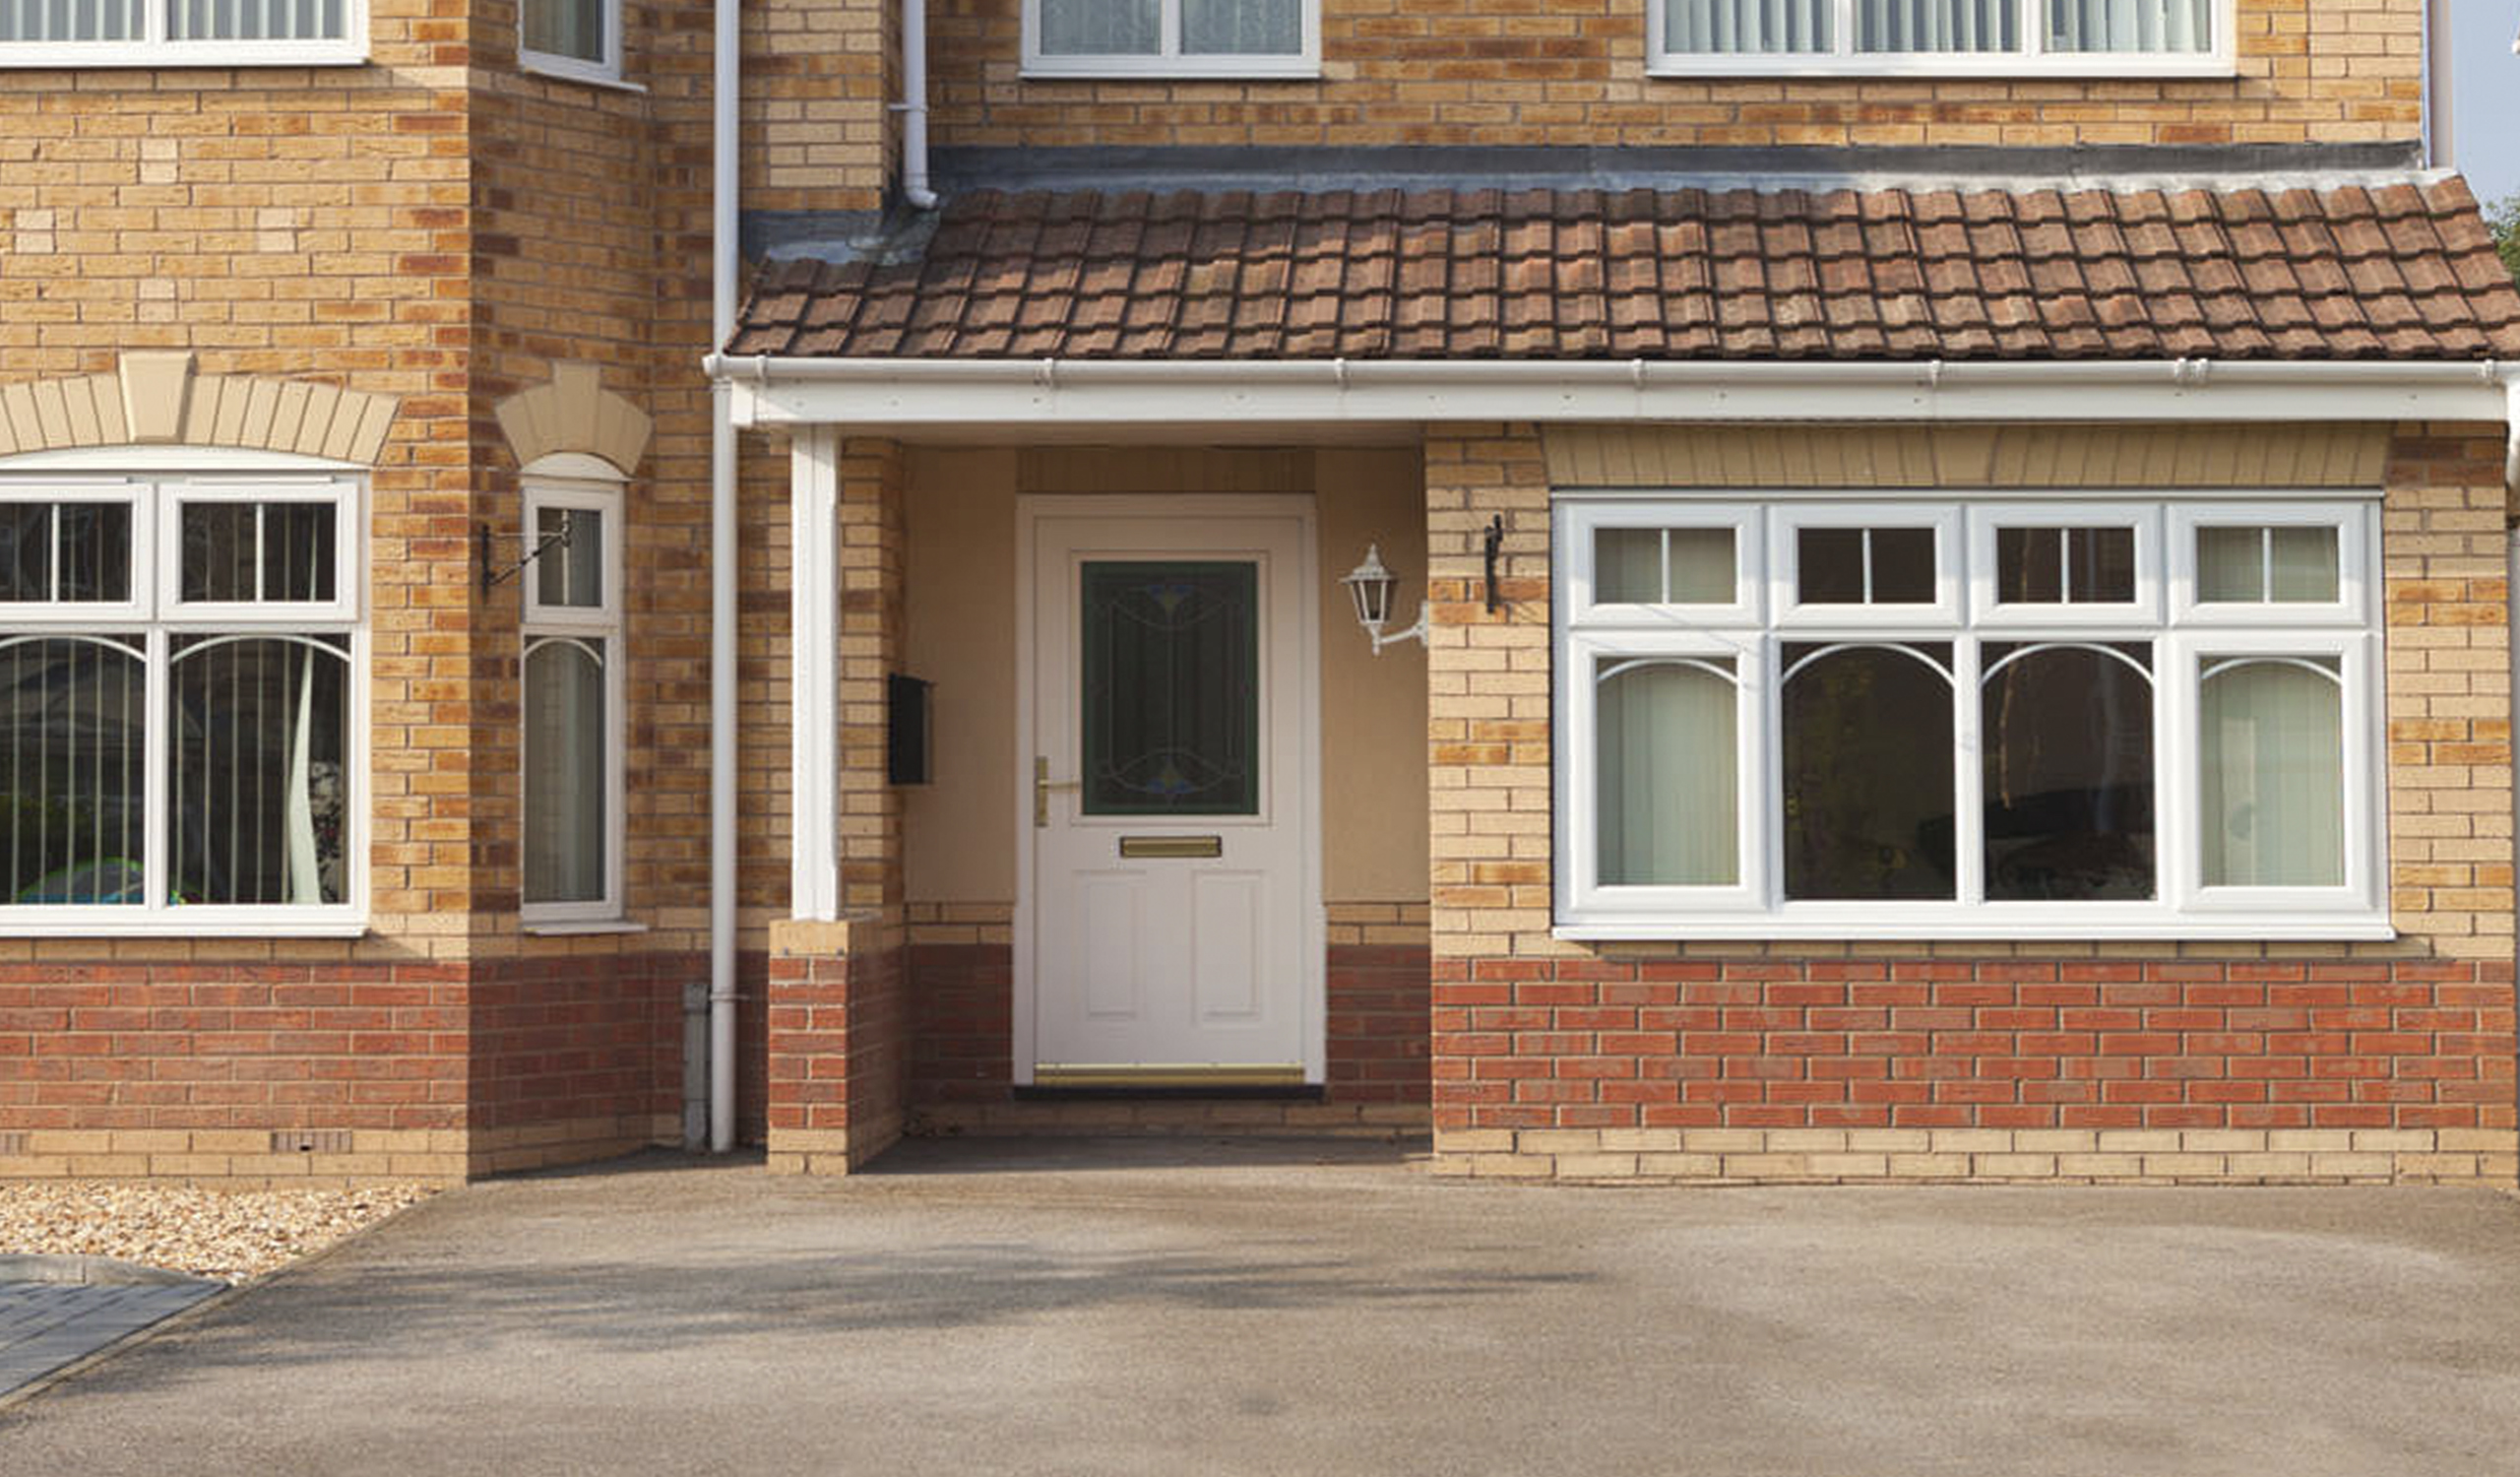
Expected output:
(571, 689)
(579, 38)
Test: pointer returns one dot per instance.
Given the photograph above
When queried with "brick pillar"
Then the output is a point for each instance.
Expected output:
(838, 1029)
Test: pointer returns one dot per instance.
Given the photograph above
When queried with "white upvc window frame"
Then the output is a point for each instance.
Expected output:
(2179, 634)
(2031, 60)
(156, 49)
(603, 70)
(1167, 60)
(157, 616)
(601, 622)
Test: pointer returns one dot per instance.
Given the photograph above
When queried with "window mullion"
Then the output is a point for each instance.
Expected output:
(157, 745)
(1968, 773)
(1843, 23)
(2033, 34)
(1168, 30)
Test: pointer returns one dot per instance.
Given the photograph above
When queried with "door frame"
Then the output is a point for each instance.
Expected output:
(1032, 510)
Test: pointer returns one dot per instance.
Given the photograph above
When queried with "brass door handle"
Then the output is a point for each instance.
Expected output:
(1042, 784)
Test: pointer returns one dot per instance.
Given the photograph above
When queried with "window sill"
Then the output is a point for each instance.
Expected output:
(179, 929)
(563, 70)
(1297, 71)
(563, 928)
(2256, 927)
(2007, 65)
(84, 55)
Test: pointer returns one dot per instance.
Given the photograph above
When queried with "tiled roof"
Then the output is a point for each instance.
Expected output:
(2401, 271)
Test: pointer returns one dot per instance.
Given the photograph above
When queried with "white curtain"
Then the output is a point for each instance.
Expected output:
(2254, 565)
(1701, 568)
(1670, 799)
(2273, 756)
(2131, 24)
(1689, 567)
(1735, 28)
(71, 20)
(566, 28)
(1241, 27)
(1627, 565)
(1914, 26)
(253, 20)
(1102, 28)
(564, 772)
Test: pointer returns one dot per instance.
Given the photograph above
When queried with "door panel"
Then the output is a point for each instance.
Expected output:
(1173, 887)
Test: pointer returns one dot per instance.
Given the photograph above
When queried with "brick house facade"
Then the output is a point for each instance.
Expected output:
(1162, 314)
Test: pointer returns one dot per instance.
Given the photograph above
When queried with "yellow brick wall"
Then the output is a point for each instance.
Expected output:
(1573, 72)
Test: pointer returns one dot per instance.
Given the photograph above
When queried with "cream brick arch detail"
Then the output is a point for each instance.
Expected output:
(573, 412)
(154, 399)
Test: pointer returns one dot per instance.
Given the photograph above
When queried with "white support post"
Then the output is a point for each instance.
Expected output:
(814, 654)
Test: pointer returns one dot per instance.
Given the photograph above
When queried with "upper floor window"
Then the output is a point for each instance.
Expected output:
(580, 38)
(181, 33)
(1172, 38)
(1970, 37)
(182, 694)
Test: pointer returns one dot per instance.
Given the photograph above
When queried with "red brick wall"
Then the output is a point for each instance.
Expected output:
(837, 1055)
(578, 1037)
(2173, 1044)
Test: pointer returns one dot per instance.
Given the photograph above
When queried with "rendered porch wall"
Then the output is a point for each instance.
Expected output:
(1825, 1061)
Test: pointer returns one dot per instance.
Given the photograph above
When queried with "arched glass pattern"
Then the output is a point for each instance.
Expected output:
(565, 776)
(2066, 734)
(74, 768)
(258, 783)
(1866, 771)
(1670, 784)
(2271, 754)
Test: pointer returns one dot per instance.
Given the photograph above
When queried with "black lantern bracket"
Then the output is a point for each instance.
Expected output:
(492, 577)
(1495, 542)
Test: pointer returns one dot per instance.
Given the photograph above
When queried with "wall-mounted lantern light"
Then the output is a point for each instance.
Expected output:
(1370, 585)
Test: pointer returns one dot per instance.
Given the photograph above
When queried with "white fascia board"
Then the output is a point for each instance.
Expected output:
(874, 394)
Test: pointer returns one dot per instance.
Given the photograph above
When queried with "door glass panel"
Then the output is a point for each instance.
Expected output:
(1171, 687)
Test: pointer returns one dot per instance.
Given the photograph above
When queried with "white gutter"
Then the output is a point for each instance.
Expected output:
(903, 394)
(913, 107)
(725, 251)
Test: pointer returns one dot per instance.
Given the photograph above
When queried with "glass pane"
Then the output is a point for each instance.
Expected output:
(2069, 735)
(1702, 566)
(251, 20)
(569, 573)
(2101, 565)
(1627, 565)
(1867, 773)
(259, 551)
(2302, 563)
(1241, 27)
(1913, 26)
(1828, 566)
(565, 779)
(74, 768)
(2029, 566)
(566, 28)
(1102, 28)
(1669, 806)
(93, 541)
(1735, 28)
(70, 20)
(1902, 565)
(258, 783)
(26, 548)
(1172, 688)
(2272, 740)
(2231, 564)
(2130, 25)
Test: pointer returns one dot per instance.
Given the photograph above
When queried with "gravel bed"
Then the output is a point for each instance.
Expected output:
(229, 1234)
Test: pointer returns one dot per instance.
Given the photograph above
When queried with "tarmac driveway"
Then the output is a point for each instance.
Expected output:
(1207, 1307)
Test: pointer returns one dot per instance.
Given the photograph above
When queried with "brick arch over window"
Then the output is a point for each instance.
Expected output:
(574, 412)
(154, 399)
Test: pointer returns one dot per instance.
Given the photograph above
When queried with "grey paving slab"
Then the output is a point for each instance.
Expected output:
(46, 1325)
(1256, 1309)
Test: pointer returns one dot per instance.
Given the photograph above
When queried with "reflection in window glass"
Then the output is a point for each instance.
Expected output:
(257, 775)
(2271, 741)
(1847, 566)
(73, 768)
(1669, 795)
(2284, 563)
(569, 572)
(1867, 774)
(258, 552)
(2050, 566)
(70, 551)
(2067, 735)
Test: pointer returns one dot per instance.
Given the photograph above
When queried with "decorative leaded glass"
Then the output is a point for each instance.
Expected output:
(1171, 687)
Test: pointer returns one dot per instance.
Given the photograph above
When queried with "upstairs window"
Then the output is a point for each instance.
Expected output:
(1968, 38)
(1172, 38)
(181, 33)
(575, 38)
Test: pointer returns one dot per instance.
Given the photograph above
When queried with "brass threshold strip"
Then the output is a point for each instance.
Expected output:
(1182, 1074)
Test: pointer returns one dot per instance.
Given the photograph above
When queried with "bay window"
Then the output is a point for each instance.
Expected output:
(181, 33)
(1980, 37)
(1969, 718)
(1172, 38)
(182, 747)
(571, 677)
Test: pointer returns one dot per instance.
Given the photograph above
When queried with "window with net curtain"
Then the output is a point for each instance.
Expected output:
(1922, 30)
(1156, 30)
(570, 684)
(179, 663)
(175, 21)
(2147, 717)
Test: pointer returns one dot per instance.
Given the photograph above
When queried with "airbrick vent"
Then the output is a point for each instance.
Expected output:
(12, 1143)
(310, 1141)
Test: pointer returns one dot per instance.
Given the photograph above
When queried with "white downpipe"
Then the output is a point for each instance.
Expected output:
(2436, 84)
(914, 106)
(724, 249)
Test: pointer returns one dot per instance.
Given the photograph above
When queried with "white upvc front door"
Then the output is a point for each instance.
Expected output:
(1169, 923)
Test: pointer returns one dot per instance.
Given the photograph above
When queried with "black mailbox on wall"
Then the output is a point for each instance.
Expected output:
(905, 730)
